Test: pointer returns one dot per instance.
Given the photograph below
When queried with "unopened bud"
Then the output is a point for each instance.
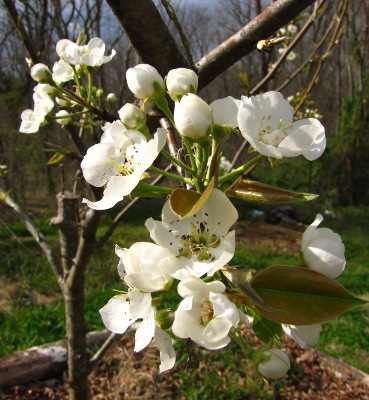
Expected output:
(41, 73)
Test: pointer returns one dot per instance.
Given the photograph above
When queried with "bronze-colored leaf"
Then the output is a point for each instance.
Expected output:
(300, 296)
(263, 193)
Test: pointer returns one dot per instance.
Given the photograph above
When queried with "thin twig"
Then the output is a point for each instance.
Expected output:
(102, 350)
(288, 49)
(39, 237)
(333, 42)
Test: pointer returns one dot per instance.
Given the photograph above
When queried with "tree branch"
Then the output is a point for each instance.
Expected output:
(148, 34)
(244, 41)
(23, 35)
(39, 237)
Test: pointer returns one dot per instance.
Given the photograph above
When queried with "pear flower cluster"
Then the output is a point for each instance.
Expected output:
(73, 58)
(193, 245)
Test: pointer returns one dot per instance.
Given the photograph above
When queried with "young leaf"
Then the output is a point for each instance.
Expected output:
(56, 158)
(263, 193)
(266, 330)
(186, 203)
(300, 296)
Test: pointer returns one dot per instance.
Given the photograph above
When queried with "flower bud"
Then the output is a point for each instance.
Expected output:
(99, 93)
(181, 81)
(112, 98)
(323, 250)
(41, 73)
(144, 81)
(132, 117)
(193, 118)
(63, 121)
(276, 366)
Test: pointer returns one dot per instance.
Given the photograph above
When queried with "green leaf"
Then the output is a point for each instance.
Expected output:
(56, 158)
(300, 296)
(263, 193)
(266, 330)
(186, 203)
(146, 190)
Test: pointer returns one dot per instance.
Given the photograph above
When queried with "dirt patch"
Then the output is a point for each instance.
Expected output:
(279, 237)
(124, 374)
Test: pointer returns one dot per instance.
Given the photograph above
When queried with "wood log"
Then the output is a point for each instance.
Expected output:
(42, 362)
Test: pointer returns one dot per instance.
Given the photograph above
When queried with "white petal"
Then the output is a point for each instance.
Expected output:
(226, 111)
(221, 213)
(223, 307)
(140, 304)
(310, 230)
(165, 345)
(216, 331)
(144, 333)
(162, 237)
(303, 334)
(116, 315)
(116, 189)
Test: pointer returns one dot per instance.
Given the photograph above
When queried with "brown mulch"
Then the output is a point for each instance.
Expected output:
(124, 374)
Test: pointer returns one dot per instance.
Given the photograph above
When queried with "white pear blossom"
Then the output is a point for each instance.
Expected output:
(32, 119)
(118, 162)
(225, 111)
(62, 72)
(63, 121)
(91, 54)
(303, 334)
(193, 117)
(181, 81)
(266, 121)
(205, 315)
(201, 243)
(277, 365)
(123, 310)
(40, 73)
(140, 80)
(323, 250)
(141, 266)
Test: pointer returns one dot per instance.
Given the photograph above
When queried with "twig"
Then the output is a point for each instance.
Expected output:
(334, 40)
(172, 15)
(288, 49)
(102, 350)
(39, 237)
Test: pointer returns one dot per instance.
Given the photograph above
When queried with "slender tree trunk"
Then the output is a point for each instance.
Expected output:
(74, 300)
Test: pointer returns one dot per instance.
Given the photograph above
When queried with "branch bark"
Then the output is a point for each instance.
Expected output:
(244, 41)
(148, 34)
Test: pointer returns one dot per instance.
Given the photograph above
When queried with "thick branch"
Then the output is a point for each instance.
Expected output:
(148, 34)
(52, 258)
(244, 41)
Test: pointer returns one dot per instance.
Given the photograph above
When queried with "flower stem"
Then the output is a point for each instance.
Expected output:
(190, 154)
(180, 163)
(163, 105)
(241, 169)
(170, 175)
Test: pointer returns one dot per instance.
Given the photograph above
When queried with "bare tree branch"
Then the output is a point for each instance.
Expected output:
(157, 48)
(244, 41)
(39, 237)
(23, 35)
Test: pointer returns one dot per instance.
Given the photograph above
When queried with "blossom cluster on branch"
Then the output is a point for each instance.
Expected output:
(190, 258)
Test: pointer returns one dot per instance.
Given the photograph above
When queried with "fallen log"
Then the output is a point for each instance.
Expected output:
(42, 362)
